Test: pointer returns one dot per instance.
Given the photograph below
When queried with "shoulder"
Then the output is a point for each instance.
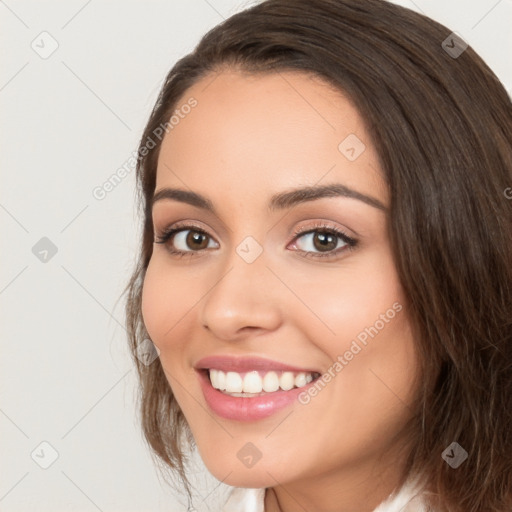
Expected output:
(407, 499)
(245, 500)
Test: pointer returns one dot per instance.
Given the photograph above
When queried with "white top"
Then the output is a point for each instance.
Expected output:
(253, 500)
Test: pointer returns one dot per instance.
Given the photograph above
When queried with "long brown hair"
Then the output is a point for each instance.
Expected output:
(442, 126)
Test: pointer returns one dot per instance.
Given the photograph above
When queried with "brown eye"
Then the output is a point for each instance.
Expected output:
(324, 241)
(190, 240)
(186, 240)
(321, 241)
(196, 240)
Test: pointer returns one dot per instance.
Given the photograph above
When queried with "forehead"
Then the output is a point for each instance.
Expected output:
(268, 131)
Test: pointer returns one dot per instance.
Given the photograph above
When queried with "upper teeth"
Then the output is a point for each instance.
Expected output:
(256, 382)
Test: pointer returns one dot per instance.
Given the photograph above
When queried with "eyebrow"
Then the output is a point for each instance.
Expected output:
(278, 201)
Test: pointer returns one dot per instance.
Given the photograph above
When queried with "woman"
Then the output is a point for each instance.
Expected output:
(325, 266)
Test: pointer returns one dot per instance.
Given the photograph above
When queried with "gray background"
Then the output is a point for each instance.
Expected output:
(69, 121)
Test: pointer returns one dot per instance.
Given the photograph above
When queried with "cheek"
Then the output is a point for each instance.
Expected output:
(339, 306)
(359, 321)
(150, 304)
(171, 296)
(161, 310)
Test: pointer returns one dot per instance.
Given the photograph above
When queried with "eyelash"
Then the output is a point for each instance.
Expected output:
(318, 227)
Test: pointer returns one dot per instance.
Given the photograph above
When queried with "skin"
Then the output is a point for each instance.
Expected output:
(248, 138)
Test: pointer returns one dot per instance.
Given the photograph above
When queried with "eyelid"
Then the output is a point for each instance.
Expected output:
(183, 225)
(168, 232)
(325, 226)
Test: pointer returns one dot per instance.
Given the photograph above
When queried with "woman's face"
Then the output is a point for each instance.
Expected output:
(249, 287)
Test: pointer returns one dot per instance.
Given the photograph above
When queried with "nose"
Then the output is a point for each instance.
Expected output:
(243, 299)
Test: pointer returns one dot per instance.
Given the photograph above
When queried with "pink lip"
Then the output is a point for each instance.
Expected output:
(246, 408)
(245, 364)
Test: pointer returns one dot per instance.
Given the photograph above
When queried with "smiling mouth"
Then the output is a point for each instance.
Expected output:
(257, 382)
